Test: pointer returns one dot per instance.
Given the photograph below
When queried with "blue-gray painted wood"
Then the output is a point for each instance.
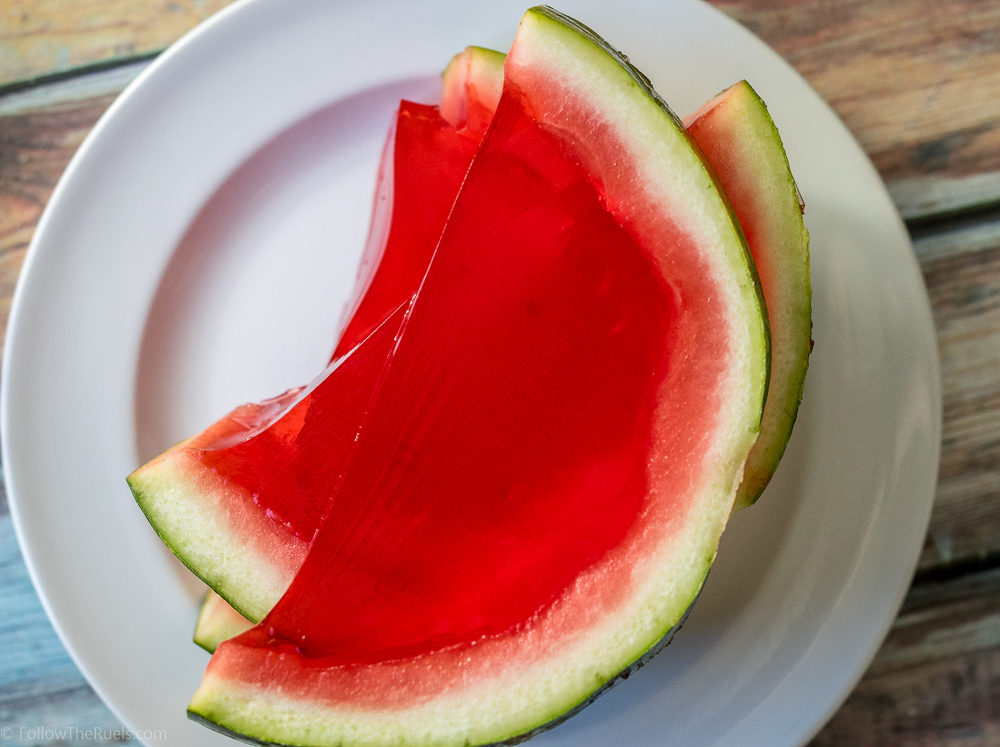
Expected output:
(44, 700)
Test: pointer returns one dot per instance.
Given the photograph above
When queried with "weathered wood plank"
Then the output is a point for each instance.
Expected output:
(41, 37)
(920, 197)
(74, 88)
(936, 679)
(962, 273)
(39, 132)
(917, 82)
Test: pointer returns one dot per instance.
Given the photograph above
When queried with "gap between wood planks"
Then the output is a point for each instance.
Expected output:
(79, 72)
(934, 681)
(39, 38)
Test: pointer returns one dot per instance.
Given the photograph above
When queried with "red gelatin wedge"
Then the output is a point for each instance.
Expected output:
(493, 471)
(242, 501)
(426, 157)
(546, 470)
(422, 168)
(425, 160)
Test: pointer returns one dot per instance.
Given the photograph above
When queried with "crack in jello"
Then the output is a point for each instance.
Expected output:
(416, 190)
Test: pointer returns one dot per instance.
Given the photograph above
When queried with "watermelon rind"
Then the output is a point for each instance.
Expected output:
(217, 532)
(217, 622)
(742, 142)
(515, 740)
(470, 88)
(505, 689)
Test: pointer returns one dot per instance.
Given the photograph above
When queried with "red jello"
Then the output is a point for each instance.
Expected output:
(507, 447)
(421, 172)
(417, 184)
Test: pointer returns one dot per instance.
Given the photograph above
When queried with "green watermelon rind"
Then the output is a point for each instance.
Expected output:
(473, 77)
(487, 62)
(217, 622)
(520, 696)
(556, 719)
(238, 715)
(767, 186)
(238, 552)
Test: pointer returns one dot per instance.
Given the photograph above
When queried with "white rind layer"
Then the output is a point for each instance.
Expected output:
(473, 79)
(619, 610)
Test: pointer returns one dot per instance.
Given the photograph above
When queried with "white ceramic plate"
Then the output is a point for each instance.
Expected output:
(197, 253)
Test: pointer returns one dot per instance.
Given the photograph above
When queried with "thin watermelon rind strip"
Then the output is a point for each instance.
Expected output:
(299, 724)
(763, 178)
(217, 622)
(500, 710)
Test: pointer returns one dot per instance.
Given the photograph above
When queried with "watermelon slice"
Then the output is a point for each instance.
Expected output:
(553, 453)
(738, 136)
(470, 89)
(217, 622)
(739, 139)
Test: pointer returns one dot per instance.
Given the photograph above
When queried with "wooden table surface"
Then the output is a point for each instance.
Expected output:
(917, 82)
